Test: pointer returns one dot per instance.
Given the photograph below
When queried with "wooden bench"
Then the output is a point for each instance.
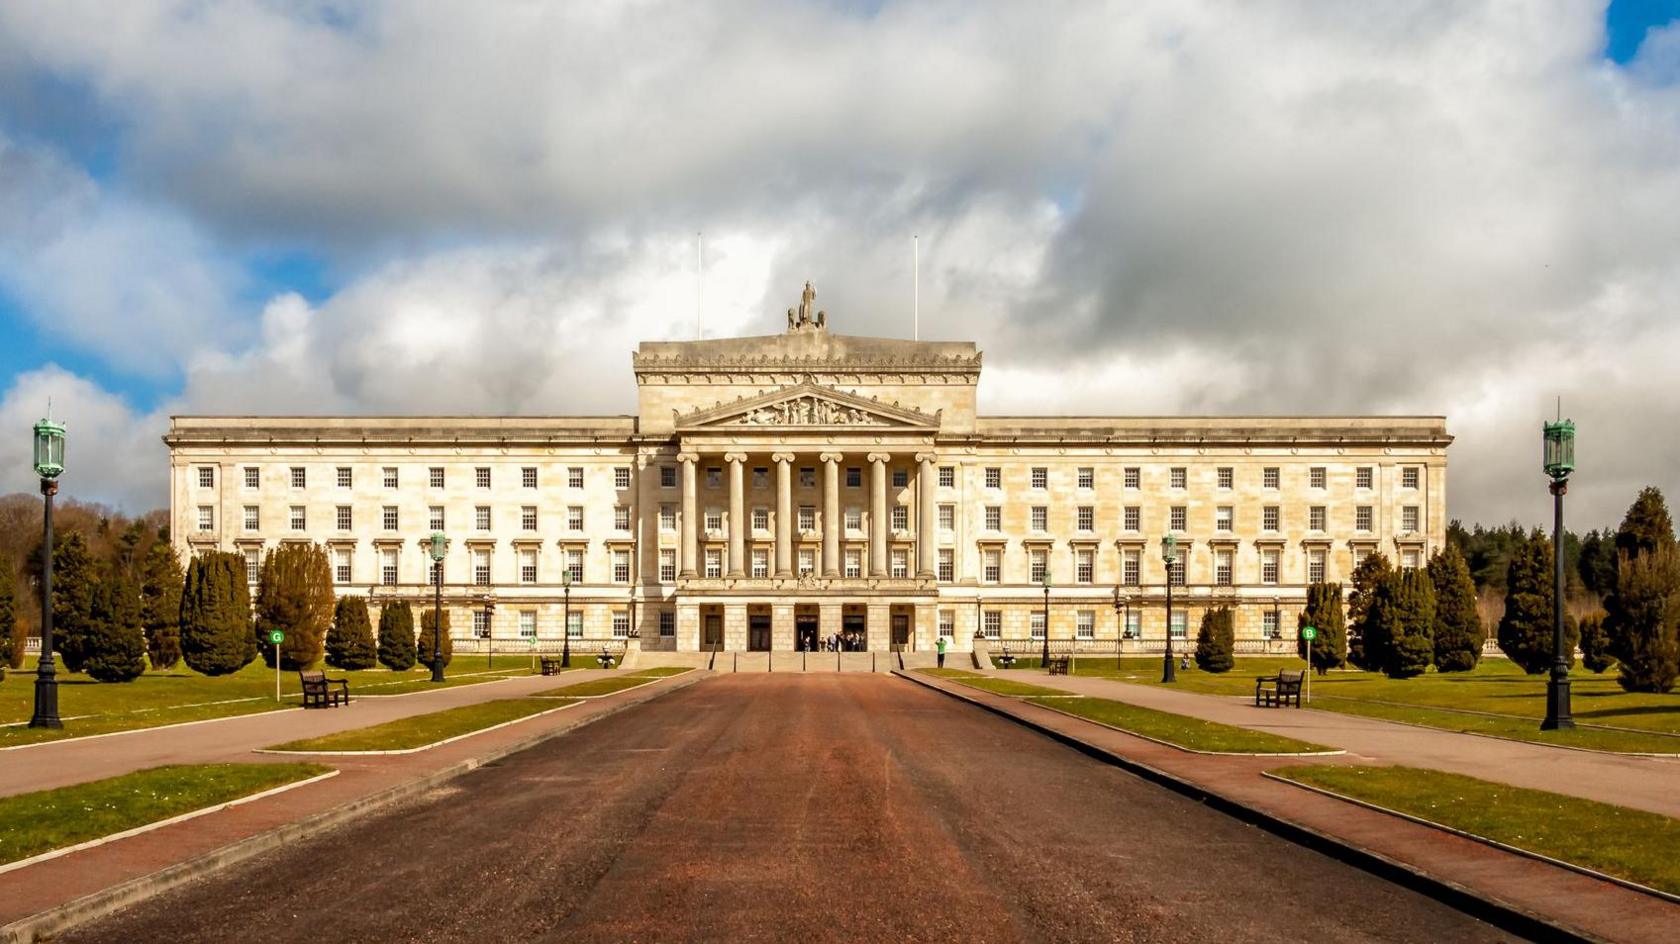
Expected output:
(322, 692)
(1275, 691)
(551, 665)
(1058, 665)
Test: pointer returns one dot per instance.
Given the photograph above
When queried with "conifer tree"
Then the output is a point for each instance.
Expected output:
(350, 640)
(1369, 574)
(114, 647)
(1324, 614)
(160, 605)
(423, 649)
(1647, 525)
(11, 654)
(1215, 640)
(75, 579)
(1644, 620)
(216, 636)
(1406, 603)
(396, 636)
(1595, 644)
(1525, 630)
(1458, 626)
(295, 596)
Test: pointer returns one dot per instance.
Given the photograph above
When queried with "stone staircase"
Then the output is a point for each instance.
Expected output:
(732, 660)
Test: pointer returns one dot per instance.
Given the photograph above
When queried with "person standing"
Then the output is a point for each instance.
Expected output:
(939, 647)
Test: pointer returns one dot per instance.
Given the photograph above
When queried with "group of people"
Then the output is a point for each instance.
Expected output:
(846, 640)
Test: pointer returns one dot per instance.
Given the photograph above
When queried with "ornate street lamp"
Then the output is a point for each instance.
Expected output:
(1122, 609)
(1169, 556)
(49, 465)
(566, 618)
(1045, 658)
(440, 547)
(1559, 460)
(489, 632)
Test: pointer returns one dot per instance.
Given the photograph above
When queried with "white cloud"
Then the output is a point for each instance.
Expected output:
(112, 453)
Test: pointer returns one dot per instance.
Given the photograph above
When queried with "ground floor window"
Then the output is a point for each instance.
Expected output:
(1134, 624)
(1180, 624)
(528, 624)
(1085, 624)
(620, 624)
(481, 624)
(1037, 622)
(1269, 628)
(574, 625)
(991, 624)
(667, 623)
(948, 623)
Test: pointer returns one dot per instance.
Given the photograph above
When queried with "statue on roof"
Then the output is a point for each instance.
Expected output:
(803, 319)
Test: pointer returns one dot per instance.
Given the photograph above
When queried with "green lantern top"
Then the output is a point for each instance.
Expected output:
(1046, 579)
(440, 545)
(1559, 453)
(49, 449)
(1169, 548)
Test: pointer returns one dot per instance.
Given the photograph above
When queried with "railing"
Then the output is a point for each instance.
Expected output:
(1023, 647)
(547, 645)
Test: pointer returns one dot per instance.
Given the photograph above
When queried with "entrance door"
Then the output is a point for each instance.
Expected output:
(854, 636)
(712, 637)
(758, 632)
(805, 633)
(900, 630)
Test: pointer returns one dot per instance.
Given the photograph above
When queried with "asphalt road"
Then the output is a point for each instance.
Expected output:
(794, 808)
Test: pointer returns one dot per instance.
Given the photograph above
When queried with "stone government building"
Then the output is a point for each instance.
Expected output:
(772, 491)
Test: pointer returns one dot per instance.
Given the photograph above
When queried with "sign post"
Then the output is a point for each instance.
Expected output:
(1308, 633)
(277, 637)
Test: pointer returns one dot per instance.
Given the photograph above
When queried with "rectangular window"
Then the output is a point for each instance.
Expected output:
(947, 476)
(948, 623)
(1131, 569)
(901, 517)
(900, 478)
(1179, 477)
(388, 475)
(947, 518)
(1087, 477)
(574, 564)
(574, 518)
(667, 476)
(994, 518)
(344, 476)
(1180, 624)
(621, 518)
(481, 476)
(854, 519)
(1086, 517)
(1227, 476)
(1269, 518)
(807, 476)
(1316, 477)
(807, 517)
(668, 517)
(343, 517)
(434, 476)
(714, 477)
(481, 566)
(253, 477)
(761, 476)
(1269, 567)
(1134, 624)
(1178, 518)
(620, 624)
(1409, 518)
(946, 564)
(760, 562)
(1409, 476)
(481, 517)
(341, 565)
(853, 566)
(299, 520)
(667, 623)
(667, 565)
(574, 624)
(900, 563)
(1409, 560)
(1269, 477)
(761, 519)
(1084, 565)
(1223, 518)
(528, 517)
(434, 518)
(807, 562)
(994, 477)
(854, 477)
(253, 567)
(300, 476)
(1035, 620)
(1038, 561)
(527, 565)
(1315, 566)
(1134, 477)
(1040, 477)
(1363, 477)
(1362, 518)
(1134, 518)
(1177, 571)
(714, 562)
(481, 624)
(713, 519)
(1269, 624)
(527, 624)
(621, 477)
(528, 476)
(1040, 518)
(1222, 568)
(251, 520)
(388, 566)
(621, 566)
(206, 517)
(1315, 518)
(1085, 624)
(991, 624)
(206, 476)
(991, 565)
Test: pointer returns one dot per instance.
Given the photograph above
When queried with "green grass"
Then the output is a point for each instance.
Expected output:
(951, 673)
(1497, 698)
(1629, 844)
(180, 694)
(53, 819)
(997, 686)
(1190, 733)
(661, 671)
(421, 730)
(599, 686)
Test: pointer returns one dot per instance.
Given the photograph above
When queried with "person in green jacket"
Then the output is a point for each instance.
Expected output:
(939, 646)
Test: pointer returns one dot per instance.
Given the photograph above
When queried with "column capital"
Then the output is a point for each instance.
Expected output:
(688, 457)
(925, 458)
(831, 456)
(735, 457)
(880, 457)
(782, 457)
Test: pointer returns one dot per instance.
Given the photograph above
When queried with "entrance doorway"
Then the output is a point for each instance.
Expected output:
(712, 631)
(854, 634)
(805, 634)
(900, 630)
(758, 632)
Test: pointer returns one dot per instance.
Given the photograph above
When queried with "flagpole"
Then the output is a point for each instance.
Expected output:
(916, 288)
(699, 285)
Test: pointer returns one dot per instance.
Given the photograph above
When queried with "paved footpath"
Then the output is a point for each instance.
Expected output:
(810, 808)
(76, 760)
(1645, 783)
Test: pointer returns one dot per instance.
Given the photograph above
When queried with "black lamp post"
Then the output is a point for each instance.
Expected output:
(49, 464)
(1045, 657)
(1122, 609)
(1559, 456)
(1169, 555)
(489, 632)
(1277, 622)
(566, 618)
(440, 547)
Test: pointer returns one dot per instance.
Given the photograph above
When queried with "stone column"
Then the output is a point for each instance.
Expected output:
(737, 513)
(784, 513)
(925, 482)
(831, 514)
(690, 514)
(878, 514)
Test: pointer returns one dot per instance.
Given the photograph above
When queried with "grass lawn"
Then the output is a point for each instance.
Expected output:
(1190, 733)
(421, 730)
(53, 819)
(599, 686)
(1629, 844)
(180, 694)
(661, 671)
(1496, 698)
(997, 686)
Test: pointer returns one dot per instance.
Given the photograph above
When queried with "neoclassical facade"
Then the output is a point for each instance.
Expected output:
(771, 492)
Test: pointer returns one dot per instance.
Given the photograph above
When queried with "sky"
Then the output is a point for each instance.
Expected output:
(1458, 207)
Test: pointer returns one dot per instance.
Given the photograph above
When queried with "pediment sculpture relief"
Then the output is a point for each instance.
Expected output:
(808, 411)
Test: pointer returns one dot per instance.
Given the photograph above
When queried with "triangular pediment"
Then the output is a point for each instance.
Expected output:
(808, 405)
